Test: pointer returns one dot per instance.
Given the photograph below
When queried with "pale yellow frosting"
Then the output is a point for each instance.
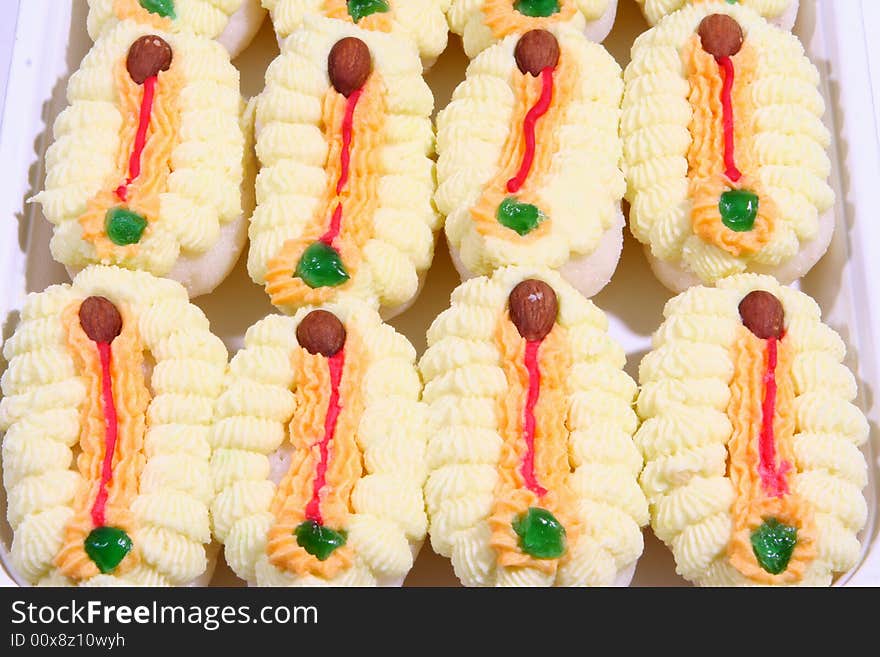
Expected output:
(293, 153)
(655, 10)
(581, 192)
(788, 146)
(206, 18)
(464, 377)
(421, 21)
(467, 18)
(40, 413)
(387, 516)
(684, 394)
(203, 190)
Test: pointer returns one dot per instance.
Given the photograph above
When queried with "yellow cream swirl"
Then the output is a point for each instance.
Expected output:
(656, 10)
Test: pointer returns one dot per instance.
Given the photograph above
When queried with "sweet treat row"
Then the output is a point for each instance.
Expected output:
(325, 452)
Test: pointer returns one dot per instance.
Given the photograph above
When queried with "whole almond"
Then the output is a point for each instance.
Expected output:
(321, 332)
(535, 51)
(533, 308)
(349, 65)
(147, 57)
(100, 319)
(762, 314)
(720, 35)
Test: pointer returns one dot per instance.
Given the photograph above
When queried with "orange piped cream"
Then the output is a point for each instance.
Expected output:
(132, 10)
(502, 19)
(377, 22)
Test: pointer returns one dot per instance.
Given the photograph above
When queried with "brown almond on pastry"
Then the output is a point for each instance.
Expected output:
(349, 65)
(533, 308)
(321, 332)
(100, 319)
(762, 314)
(147, 57)
(720, 35)
(535, 51)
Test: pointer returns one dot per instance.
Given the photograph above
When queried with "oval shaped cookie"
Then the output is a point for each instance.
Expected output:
(234, 23)
(319, 443)
(107, 403)
(750, 437)
(421, 21)
(528, 168)
(147, 165)
(725, 155)
(344, 194)
(481, 23)
(782, 13)
(532, 468)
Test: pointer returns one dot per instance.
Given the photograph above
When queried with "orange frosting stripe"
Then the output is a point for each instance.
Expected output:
(131, 397)
(143, 193)
(527, 90)
(752, 505)
(552, 467)
(344, 467)
(503, 19)
(378, 22)
(707, 180)
(359, 199)
(132, 9)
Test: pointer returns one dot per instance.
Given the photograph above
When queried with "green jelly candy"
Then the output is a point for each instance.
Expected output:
(540, 534)
(124, 226)
(537, 7)
(773, 544)
(321, 266)
(738, 210)
(162, 7)
(317, 540)
(107, 546)
(521, 217)
(357, 9)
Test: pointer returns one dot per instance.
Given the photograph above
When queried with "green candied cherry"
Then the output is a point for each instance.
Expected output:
(541, 535)
(124, 226)
(738, 209)
(521, 217)
(321, 266)
(164, 8)
(537, 8)
(773, 544)
(317, 540)
(107, 547)
(358, 9)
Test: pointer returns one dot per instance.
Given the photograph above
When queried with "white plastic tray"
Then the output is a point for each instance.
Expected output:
(51, 40)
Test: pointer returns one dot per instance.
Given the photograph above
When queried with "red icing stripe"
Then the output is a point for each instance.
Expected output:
(347, 130)
(773, 478)
(528, 463)
(110, 433)
(531, 120)
(335, 226)
(728, 73)
(140, 140)
(336, 363)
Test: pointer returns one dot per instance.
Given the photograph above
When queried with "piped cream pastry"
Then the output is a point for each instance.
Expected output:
(782, 13)
(482, 23)
(233, 23)
(532, 467)
(725, 149)
(750, 437)
(147, 169)
(345, 140)
(421, 21)
(529, 159)
(107, 404)
(319, 452)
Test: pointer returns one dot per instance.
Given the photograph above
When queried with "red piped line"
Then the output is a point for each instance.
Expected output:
(140, 140)
(110, 434)
(528, 463)
(335, 226)
(347, 130)
(540, 109)
(773, 478)
(728, 73)
(336, 363)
